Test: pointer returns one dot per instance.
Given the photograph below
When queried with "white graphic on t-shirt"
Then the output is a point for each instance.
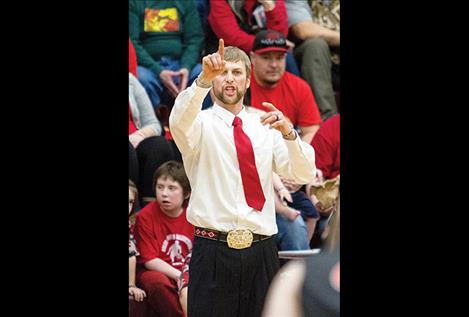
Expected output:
(175, 251)
(173, 246)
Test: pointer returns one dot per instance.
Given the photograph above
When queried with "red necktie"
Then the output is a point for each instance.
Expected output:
(247, 166)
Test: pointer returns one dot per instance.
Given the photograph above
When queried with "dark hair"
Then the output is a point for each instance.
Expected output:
(176, 171)
(134, 190)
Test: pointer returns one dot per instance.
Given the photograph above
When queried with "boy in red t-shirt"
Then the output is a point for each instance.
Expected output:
(164, 239)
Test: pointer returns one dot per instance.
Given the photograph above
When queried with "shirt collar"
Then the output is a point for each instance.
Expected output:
(227, 117)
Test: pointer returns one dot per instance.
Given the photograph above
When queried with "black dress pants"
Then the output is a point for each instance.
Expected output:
(228, 282)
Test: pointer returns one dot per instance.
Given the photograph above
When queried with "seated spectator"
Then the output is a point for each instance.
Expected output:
(301, 201)
(168, 40)
(270, 82)
(136, 292)
(133, 161)
(148, 149)
(237, 22)
(313, 54)
(326, 144)
(143, 123)
(165, 238)
(132, 59)
(292, 232)
(136, 295)
(302, 27)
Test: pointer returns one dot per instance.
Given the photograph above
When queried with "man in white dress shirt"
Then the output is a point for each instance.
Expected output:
(232, 201)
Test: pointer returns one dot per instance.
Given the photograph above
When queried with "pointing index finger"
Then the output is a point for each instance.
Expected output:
(221, 49)
(270, 106)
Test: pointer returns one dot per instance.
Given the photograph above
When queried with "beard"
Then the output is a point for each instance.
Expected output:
(271, 80)
(230, 100)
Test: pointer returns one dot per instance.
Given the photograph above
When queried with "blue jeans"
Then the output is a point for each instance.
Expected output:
(302, 203)
(155, 89)
(292, 235)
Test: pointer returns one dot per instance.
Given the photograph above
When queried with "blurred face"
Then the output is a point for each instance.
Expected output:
(169, 195)
(230, 87)
(131, 200)
(268, 67)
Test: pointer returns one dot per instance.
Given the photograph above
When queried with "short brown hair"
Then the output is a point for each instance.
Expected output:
(176, 171)
(234, 54)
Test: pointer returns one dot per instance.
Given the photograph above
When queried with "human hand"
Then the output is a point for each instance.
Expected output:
(137, 293)
(213, 65)
(319, 207)
(166, 77)
(276, 120)
(284, 196)
(183, 281)
(290, 184)
(319, 176)
(268, 5)
(324, 211)
(135, 138)
(290, 45)
(183, 300)
(291, 214)
(184, 73)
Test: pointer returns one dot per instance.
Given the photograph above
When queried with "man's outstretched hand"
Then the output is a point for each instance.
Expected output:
(212, 66)
(276, 120)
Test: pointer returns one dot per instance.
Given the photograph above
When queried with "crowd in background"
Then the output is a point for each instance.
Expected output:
(300, 76)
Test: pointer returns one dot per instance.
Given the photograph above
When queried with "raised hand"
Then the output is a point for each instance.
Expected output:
(213, 65)
(277, 120)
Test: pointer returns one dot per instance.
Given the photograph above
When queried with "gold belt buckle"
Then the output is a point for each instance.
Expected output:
(239, 239)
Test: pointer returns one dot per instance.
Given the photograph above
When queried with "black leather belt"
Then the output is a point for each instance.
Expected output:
(222, 236)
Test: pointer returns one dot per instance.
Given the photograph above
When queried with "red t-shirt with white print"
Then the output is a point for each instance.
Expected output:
(161, 236)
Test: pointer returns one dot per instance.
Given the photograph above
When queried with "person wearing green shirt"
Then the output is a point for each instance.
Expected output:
(168, 39)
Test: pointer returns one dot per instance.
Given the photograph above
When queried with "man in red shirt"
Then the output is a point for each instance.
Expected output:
(237, 22)
(164, 239)
(234, 21)
(271, 83)
(326, 144)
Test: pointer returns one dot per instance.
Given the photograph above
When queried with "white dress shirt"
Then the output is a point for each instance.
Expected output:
(205, 139)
